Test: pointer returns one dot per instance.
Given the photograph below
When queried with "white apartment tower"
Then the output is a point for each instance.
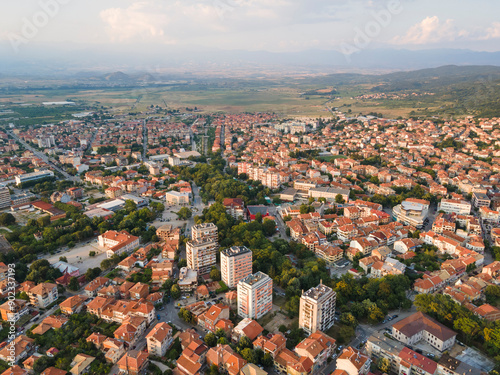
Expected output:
(317, 309)
(255, 296)
(202, 249)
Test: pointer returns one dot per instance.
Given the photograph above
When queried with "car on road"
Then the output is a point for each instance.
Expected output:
(385, 321)
(395, 316)
(158, 316)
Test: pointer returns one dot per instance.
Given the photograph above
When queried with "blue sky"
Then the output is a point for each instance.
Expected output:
(272, 25)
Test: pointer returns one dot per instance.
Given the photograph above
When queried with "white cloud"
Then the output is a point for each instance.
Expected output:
(431, 30)
(140, 20)
(492, 32)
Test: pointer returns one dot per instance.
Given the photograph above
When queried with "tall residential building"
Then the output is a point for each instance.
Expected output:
(317, 309)
(255, 296)
(235, 264)
(4, 197)
(202, 249)
(206, 231)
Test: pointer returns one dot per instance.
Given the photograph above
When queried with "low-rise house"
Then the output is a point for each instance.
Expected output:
(95, 285)
(22, 346)
(318, 347)
(353, 362)
(272, 345)
(43, 295)
(448, 365)
(225, 359)
(117, 243)
(418, 327)
(247, 327)
(411, 362)
(81, 364)
(14, 309)
(159, 339)
(192, 359)
(113, 349)
(209, 318)
(73, 304)
(134, 362)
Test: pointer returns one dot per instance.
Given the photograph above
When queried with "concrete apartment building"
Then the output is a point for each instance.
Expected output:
(201, 250)
(480, 200)
(255, 296)
(235, 264)
(457, 206)
(206, 231)
(4, 197)
(317, 309)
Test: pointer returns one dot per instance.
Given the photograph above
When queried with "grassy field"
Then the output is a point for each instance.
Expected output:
(287, 99)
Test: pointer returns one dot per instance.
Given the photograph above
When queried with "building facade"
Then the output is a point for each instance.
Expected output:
(235, 264)
(317, 309)
(255, 296)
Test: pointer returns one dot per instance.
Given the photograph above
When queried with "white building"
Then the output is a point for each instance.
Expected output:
(411, 212)
(20, 178)
(174, 197)
(317, 309)
(255, 296)
(460, 207)
(418, 327)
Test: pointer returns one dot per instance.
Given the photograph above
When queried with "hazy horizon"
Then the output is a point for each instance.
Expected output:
(67, 36)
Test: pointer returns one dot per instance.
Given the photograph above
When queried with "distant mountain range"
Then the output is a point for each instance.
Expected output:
(48, 61)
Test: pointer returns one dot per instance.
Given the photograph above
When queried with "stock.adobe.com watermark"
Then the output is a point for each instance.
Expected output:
(31, 26)
(372, 29)
(11, 296)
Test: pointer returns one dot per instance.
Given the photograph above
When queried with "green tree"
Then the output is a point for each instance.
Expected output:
(7, 218)
(213, 370)
(175, 291)
(469, 327)
(348, 319)
(73, 285)
(184, 213)
(248, 355)
(258, 217)
(215, 274)
(269, 227)
(43, 221)
(211, 339)
(130, 206)
(339, 199)
(244, 343)
(267, 360)
(383, 365)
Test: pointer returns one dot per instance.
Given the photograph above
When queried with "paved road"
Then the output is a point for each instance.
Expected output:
(42, 317)
(279, 221)
(144, 140)
(43, 157)
(363, 331)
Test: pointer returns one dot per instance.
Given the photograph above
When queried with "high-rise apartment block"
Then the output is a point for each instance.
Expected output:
(255, 296)
(4, 197)
(235, 264)
(202, 249)
(317, 309)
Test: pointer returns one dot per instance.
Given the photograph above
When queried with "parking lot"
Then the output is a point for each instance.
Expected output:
(79, 256)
